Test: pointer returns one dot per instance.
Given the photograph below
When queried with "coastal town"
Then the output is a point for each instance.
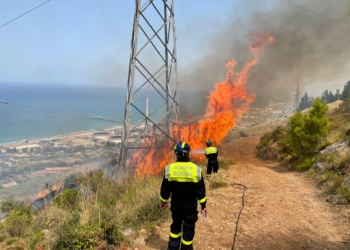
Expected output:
(28, 166)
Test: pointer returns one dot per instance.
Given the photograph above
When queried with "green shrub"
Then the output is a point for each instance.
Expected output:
(305, 165)
(68, 198)
(10, 205)
(76, 236)
(16, 223)
(264, 141)
(112, 235)
(344, 193)
(344, 162)
(306, 132)
(324, 145)
(149, 212)
(35, 237)
(278, 134)
(331, 181)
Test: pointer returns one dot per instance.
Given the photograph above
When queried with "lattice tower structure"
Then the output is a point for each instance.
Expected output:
(153, 75)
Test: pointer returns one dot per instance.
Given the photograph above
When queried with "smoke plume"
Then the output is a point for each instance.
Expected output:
(311, 47)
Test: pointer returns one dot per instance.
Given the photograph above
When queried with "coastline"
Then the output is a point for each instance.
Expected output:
(73, 134)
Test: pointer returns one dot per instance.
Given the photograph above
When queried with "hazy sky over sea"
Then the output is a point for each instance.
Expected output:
(80, 41)
(88, 42)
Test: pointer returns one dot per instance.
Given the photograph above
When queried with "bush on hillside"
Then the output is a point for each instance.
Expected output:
(68, 198)
(92, 221)
(276, 136)
(305, 165)
(217, 181)
(306, 132)
(224, 163)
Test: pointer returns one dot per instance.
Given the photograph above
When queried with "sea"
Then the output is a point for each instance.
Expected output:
(18, 123)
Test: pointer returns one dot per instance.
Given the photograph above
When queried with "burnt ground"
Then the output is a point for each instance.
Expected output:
(283, 209)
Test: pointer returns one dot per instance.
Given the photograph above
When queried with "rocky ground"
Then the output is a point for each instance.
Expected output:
(282, 209)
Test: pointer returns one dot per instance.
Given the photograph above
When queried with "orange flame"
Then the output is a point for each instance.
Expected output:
(227, 103)
(44, 193)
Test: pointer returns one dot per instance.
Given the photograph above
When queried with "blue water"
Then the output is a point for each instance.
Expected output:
(19, 123)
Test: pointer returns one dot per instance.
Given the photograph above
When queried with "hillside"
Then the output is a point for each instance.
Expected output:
(283, 210)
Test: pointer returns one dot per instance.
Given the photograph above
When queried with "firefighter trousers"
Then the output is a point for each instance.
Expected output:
(182, 229)
(213, 166)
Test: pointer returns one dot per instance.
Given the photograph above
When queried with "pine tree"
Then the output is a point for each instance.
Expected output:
(305, 102)
(315, 127)
(325, 96)
(306, 132)
(331, 97)
(346, 94)
(338, 95)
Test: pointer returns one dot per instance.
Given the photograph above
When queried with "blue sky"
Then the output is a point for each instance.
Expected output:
(87, 42)
(71, 41)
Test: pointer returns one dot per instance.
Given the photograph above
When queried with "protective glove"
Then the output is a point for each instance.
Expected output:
(204, 213)
(164, 205)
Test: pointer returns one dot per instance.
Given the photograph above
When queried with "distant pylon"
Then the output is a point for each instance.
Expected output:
(152, 73)
(297, 97)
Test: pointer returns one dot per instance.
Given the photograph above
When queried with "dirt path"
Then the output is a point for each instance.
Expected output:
(282, 210)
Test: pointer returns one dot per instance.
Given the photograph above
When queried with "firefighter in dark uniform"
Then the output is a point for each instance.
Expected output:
(212, 155)
(183, 181)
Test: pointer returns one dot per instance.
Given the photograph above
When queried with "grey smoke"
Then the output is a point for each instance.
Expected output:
(309, 49)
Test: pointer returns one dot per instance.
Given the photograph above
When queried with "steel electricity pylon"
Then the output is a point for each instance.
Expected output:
(152, 76)
(297, 97)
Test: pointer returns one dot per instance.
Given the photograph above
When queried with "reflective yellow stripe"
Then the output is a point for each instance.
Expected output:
(183, 144)
(163, 200)
(211, 150)
(175, 235)
(183, 172)
(203, 200)
(167, 172)
(199, 173)
(186, 242)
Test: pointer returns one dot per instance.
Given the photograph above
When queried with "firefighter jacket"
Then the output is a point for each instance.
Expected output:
(183, 180)
(211, 153)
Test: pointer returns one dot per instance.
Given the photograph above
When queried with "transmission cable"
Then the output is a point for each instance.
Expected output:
(314, 12)
(24, 14)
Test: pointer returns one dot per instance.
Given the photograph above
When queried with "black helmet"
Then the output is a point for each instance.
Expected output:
(182, 149)
(208, 142)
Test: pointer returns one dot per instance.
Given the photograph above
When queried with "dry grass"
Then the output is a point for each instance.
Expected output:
(98, 214)
(217, 180)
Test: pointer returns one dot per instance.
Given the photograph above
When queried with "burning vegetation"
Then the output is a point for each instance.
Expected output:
(227, 103)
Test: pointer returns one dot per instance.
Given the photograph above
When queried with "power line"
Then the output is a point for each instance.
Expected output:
(314, 12)
(24, 14)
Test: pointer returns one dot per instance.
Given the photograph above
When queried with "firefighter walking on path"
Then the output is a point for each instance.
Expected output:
(212, 155)
(183, 181)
